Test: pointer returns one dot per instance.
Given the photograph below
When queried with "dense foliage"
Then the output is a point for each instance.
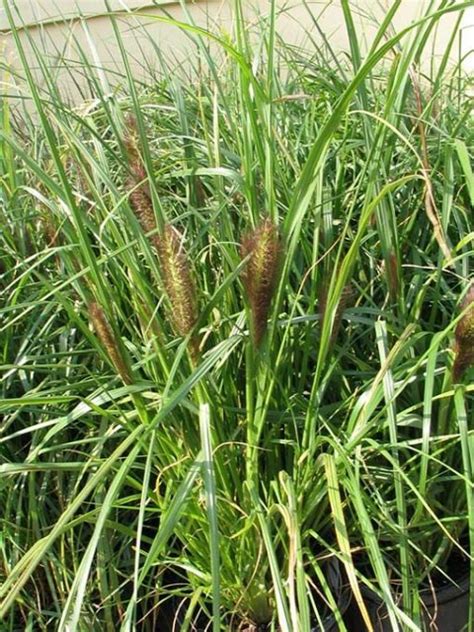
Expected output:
(228, 316)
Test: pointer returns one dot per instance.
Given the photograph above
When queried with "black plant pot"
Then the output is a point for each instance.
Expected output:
(445, 610)
(169, 619)
(329, 622)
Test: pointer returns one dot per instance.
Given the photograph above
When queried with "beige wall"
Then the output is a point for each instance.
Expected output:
(61, 39)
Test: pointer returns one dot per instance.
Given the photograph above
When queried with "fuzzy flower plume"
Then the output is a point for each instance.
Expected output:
(464, 338)
(178, 281)
(393, 276)
(108, 339)
(261, 273)
(140, 196)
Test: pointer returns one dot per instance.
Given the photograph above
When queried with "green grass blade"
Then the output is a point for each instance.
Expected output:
(211, 508)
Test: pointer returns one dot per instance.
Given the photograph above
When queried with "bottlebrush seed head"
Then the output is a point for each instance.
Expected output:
(261, 273)
(140, 196)
(392, 275)
(464, 338)
(107, 337)
(131, 138)
(142, 206)
(178, 280)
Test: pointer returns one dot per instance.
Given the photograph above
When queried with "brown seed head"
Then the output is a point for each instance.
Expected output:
(107, 337)
(177, 279)
(392, 275)
(140, 201)
(131, 139)
(137, 185)
(464, 338)
(261, 273)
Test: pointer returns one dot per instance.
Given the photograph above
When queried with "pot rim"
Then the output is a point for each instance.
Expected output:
(447, 593)
(442, 595)
(343, 603)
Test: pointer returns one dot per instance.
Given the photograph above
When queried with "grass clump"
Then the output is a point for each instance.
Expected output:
(261, 420)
